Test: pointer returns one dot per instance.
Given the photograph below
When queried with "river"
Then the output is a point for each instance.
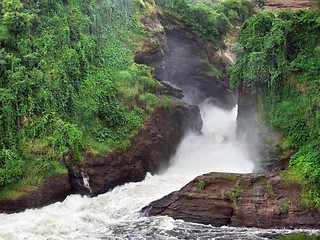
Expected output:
(116, 214)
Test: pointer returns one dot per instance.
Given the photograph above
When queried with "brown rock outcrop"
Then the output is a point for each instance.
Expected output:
(250, 200)
(150, 152)
(55, 189)
(289, 4)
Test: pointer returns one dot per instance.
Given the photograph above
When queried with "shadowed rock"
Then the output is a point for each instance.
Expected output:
(150, 152)
(53, 190)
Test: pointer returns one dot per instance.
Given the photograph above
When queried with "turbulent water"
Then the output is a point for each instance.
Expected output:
(115, 215)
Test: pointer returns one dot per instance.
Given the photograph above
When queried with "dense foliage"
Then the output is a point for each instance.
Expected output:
(210, 21)
(279, 58)
(68, 82)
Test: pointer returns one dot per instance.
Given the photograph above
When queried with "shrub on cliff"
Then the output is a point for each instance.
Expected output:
(279, 59)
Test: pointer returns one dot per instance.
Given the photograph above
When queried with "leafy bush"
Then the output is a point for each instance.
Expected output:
(201, 185)
(11, 167)
(235, 11)
(210, 21)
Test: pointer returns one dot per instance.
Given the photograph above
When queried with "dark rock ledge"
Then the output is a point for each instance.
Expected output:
(55, 189)
(247, 200)
(151, 152)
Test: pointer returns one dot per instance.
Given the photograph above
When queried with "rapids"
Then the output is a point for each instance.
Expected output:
(115, 214)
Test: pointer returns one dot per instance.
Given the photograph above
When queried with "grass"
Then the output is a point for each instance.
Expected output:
(235, 194)
(284, 206)
(210, 70)
(270, 190)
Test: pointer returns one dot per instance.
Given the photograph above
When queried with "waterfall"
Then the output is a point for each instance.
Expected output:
(115, 214)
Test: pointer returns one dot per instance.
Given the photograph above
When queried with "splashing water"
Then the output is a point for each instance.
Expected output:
(114, 215)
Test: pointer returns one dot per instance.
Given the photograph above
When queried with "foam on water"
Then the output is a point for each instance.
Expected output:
(115, 214)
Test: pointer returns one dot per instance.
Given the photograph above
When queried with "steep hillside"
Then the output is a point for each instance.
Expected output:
(69, 84)
(70, 88)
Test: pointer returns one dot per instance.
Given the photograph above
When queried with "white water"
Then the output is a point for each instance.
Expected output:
(114, 215)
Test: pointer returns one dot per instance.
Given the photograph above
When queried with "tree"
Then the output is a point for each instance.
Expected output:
(13, 16)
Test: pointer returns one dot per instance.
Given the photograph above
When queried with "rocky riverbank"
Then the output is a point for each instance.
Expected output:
(247, 200)
(150, 152)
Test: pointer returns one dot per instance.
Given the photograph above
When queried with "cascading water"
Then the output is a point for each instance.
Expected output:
(115, 214)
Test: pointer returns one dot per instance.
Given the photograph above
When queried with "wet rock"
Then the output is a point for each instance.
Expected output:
(246, 200)
(263, 144)
(53, 190)
(172, 90)
(150, 152)
(192, 66)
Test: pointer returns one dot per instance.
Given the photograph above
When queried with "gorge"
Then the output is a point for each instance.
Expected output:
(237, 195)
(115, 214)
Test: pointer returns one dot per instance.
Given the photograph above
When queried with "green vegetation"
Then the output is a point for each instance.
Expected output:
(270, 190)
(68, 84)
(209, 20)
(284, 206)
(298, 236)
(210, 70)
(235, 194)
(201, 185)
(279, 59)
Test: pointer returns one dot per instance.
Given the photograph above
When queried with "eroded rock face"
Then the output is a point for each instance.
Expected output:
(197, 70)
(53, 190)
(288, 4)
(151, 152)
(249, 200)
(154, 48)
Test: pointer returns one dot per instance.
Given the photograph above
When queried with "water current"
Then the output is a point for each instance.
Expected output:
(115, 214)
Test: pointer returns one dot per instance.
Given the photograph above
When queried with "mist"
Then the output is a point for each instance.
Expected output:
(217, 148)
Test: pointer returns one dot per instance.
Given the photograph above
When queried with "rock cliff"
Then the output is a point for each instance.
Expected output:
(150, 152)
